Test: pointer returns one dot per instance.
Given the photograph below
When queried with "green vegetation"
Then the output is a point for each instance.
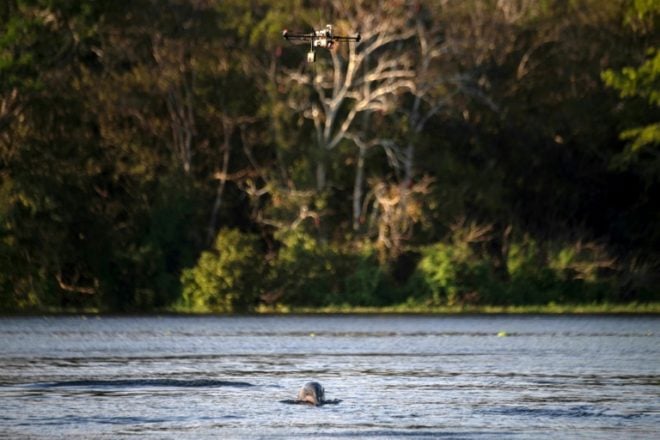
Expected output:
(469, 156)
(421, 309)
(226, 279)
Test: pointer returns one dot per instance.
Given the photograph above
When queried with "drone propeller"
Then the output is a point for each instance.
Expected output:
(289, 36)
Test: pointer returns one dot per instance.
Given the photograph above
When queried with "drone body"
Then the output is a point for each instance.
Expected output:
(325, 38)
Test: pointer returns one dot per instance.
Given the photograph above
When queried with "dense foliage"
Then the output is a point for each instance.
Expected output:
(180, 155)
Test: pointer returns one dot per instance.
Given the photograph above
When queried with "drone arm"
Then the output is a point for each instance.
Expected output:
(356, 38)
(290, 36)
(296, 37)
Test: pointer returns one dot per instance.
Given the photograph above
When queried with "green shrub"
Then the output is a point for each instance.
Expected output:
(453, 274)
(531, 281)
(311, 273)
(558, 272)
(229, 278)
(363, 285)
(305, 270)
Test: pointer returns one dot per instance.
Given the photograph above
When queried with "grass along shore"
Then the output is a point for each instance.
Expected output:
(633, 308)
(548, 309)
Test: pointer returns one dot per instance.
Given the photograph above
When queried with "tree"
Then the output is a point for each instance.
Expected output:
(361, 80)
(642, 81)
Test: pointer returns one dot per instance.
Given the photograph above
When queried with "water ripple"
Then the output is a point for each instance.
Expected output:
(140, 383)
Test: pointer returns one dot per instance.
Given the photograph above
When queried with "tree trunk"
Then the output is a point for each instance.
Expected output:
(358, 188)
(217, 203)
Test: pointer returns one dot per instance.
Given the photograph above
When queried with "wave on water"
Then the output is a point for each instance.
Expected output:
(140, 383)
(553, 412)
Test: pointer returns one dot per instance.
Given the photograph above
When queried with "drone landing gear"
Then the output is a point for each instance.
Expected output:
(311, 56)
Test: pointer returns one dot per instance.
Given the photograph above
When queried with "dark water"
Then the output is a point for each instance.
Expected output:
(396, 377)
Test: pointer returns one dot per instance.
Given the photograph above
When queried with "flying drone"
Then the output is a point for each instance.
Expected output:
(324, 38)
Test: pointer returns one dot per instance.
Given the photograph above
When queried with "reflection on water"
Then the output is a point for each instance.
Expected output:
(389, 376)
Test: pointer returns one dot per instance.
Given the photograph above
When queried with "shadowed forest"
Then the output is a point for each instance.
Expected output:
(181, 155)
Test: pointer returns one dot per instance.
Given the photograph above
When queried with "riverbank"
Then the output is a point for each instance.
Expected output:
(652, 308)
(547, 309)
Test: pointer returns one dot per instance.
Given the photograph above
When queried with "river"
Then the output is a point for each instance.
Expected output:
(395, 376)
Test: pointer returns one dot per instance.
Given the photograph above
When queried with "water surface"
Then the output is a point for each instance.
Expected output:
(396, 376)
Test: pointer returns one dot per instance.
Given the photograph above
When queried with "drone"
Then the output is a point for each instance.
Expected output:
(324, 38)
